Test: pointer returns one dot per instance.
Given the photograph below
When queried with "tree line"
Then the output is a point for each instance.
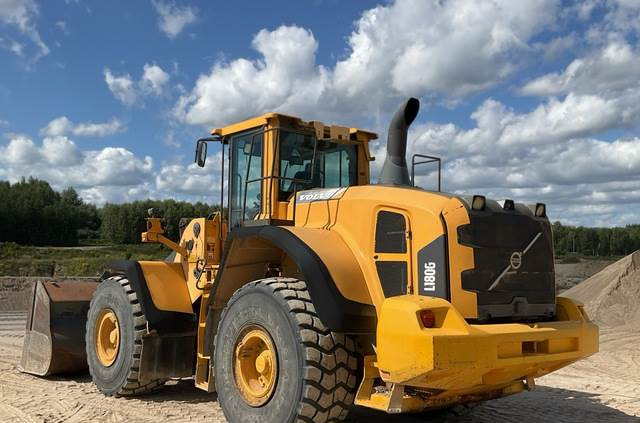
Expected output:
(32, 213)
(123, 223)
(615, 241)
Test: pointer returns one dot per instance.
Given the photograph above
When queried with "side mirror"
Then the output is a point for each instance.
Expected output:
(201, 153)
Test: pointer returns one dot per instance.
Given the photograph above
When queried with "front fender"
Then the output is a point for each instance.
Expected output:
(163, 321)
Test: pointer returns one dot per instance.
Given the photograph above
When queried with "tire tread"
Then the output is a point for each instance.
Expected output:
(330, 362)
(133, 385)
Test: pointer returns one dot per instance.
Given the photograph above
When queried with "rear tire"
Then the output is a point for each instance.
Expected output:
(121, 377)
(316, 368)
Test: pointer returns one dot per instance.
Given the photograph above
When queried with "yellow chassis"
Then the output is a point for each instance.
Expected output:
(416, 368)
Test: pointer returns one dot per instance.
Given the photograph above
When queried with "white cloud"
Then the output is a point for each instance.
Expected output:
(172, 19)
(574, 116)
(553, 152)
(111, 174)
(501, 135)
(20, 150)
(444, 52)
(557, 46)
(170, 139)
(611, 69)
(20, 14)
(60, 151)
(454, 47)
(13, 46)
(538, 156)
(117, 166)
(411, 47)
(189, 179)
(122, 87)
(63, 126)
(62, 26)
(118, 194)
(153, 80)
(622, 15)
(285, 78)
(59, 161)
(190, 182)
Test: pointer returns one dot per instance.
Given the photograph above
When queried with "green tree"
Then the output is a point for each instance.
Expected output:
(33, 213)
(123, 223)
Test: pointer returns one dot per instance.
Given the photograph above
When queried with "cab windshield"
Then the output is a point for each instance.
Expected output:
(335, 164)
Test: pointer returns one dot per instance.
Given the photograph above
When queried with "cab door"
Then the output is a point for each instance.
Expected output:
(392, 251)
(245, 172)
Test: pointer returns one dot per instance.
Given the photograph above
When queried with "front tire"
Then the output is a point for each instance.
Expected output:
(115, 327)
(315, 367)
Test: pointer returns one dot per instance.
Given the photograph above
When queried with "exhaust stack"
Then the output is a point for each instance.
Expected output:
(394, 171)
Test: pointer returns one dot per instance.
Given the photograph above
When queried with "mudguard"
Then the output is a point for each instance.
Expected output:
(337, 312)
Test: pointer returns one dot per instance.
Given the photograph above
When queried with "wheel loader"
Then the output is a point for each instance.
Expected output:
(316, 290)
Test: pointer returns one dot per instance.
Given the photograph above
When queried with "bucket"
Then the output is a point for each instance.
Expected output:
(54, 339)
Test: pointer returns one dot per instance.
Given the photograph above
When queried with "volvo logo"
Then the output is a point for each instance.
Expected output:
(516, 260)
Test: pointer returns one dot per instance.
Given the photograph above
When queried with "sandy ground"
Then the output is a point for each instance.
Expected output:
(603, 388)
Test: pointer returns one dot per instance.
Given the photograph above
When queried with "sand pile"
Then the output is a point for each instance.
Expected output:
(612, 296)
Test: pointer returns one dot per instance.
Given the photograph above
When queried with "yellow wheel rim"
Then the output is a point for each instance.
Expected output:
(255, 365)
(107, 337)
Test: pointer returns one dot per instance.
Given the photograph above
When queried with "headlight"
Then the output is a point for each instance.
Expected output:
(541, 210)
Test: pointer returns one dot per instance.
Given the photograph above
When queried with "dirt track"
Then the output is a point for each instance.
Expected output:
(604, 388)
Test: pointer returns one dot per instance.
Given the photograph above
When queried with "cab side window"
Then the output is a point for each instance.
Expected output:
(246, 165)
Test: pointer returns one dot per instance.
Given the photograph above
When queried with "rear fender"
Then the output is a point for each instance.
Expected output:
(247, 254)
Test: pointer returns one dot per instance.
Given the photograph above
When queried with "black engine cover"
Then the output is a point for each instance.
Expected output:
(514, 276)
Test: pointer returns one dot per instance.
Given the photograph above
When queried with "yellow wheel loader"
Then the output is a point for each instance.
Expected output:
(316, 289)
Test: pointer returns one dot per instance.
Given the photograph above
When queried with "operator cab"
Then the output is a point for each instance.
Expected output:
(273, 157)
(307, 163)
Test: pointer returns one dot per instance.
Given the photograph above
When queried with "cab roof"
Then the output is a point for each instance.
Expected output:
(278, 119)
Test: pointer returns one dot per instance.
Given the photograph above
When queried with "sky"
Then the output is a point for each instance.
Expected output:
(537, 101)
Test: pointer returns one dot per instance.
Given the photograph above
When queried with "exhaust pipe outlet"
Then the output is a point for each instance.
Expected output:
(394, 170)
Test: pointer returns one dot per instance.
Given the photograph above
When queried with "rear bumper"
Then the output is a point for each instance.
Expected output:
(455, 358)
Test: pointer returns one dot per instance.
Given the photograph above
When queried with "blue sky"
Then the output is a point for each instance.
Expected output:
(85, 38)
(532, 100)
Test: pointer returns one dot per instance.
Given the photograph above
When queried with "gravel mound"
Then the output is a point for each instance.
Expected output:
(612, 296)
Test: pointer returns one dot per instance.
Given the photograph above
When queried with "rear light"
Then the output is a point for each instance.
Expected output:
(427, 318)
(538, 209)
(508, 205)
(478, 202)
